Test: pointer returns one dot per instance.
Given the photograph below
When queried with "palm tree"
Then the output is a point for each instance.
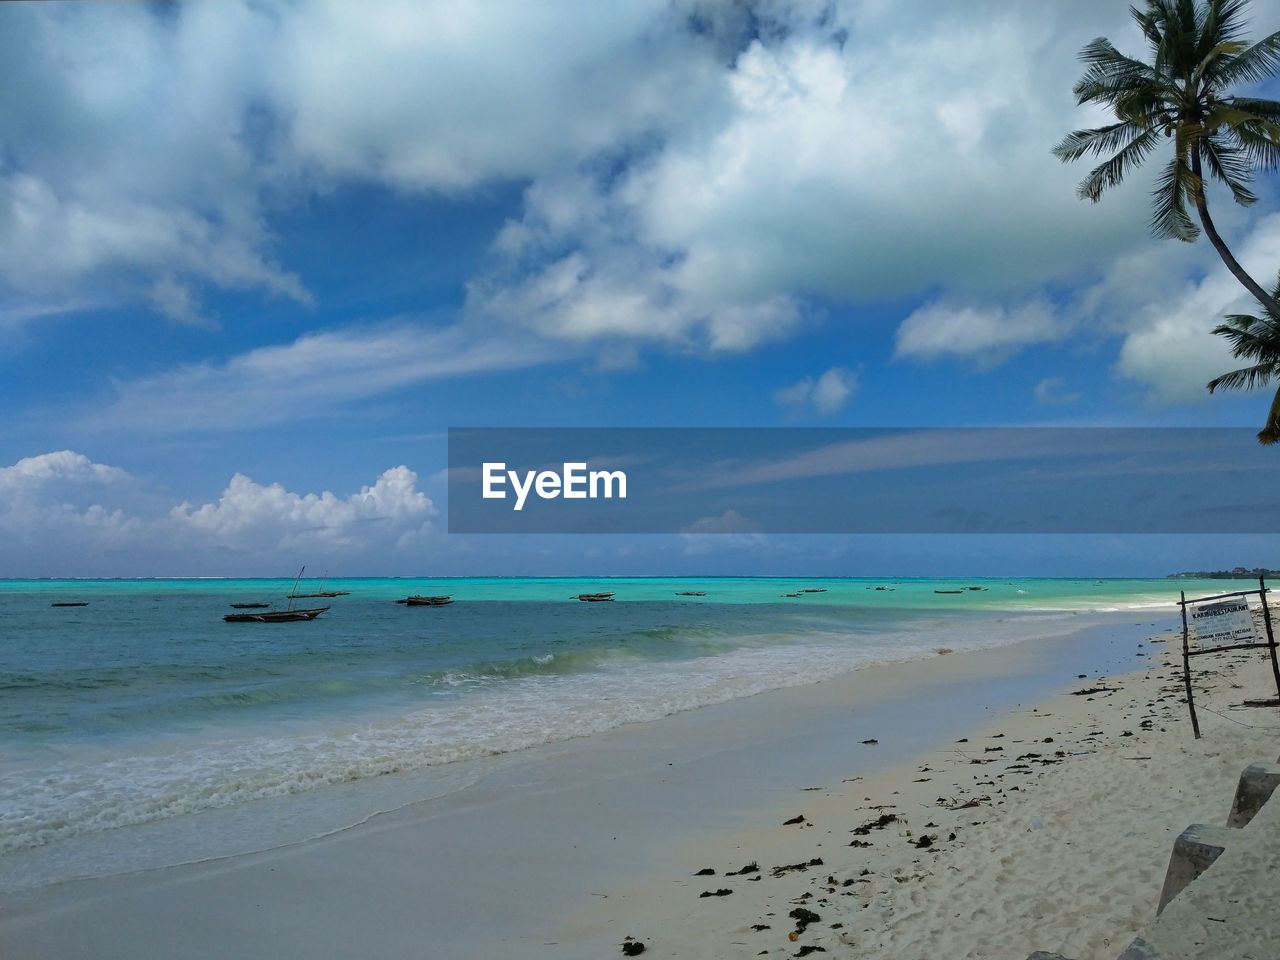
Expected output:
(1197, 54)
(1256, 339)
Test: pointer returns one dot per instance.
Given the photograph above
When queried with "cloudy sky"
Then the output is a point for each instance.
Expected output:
(257, 258)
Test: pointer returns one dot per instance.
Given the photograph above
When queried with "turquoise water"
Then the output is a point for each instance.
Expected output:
(145, 707)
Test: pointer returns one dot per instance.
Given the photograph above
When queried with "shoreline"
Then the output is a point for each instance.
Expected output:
(1059, 842)
(526, 852)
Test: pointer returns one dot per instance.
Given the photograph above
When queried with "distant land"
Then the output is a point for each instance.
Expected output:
(1239, 573)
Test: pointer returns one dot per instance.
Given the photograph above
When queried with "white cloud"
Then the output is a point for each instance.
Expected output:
(74, 517)
(310, 376)
(1053, 390)
(249, 515)
(731, 521)
(985, 335)
(827, 394)
(702, 175)
(125, 170)
(64, 465)
(1169, 348)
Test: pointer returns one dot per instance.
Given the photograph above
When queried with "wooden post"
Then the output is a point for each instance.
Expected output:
(1271, 640)
(1186, 666)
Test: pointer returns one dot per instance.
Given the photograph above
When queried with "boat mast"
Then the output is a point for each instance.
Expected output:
(295, 585)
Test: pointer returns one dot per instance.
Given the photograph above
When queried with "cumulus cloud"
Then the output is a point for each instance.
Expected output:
(827, 394)
(696, 172)
(249, 515)
(93, 519)
(986, 336)
(125, 172)
(31, 473)
(1168, 347)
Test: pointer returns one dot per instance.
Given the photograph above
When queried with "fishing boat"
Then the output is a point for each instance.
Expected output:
(70, 603)
(691, 593)
(419, 601)
(288, 615)
(275, 616)
(948, 591)
(593, 597)
(322, 592)
(250, 606)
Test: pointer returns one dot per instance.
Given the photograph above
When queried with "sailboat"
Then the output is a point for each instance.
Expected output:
(322, 592)
(278, 616)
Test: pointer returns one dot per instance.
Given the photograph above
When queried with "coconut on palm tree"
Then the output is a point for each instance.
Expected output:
(1256, 339)
(1197, 55)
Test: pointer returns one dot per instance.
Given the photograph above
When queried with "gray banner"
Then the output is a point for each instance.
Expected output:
(881, 480)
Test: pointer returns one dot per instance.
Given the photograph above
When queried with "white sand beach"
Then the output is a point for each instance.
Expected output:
(1050, 819)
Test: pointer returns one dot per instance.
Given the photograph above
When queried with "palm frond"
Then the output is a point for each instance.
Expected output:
(1169, 217)
(1252, 65)
(1097, 141)
(1229, 165)
(1112, 172)
(1246, 378)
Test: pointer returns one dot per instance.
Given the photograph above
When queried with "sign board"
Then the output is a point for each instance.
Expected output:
(1221, 622)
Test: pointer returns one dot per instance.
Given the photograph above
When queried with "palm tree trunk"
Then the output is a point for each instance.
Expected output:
(1237, 271)
(1271, 432)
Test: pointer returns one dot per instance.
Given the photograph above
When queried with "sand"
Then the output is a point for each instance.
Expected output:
(1050, 819)
(1049, 829)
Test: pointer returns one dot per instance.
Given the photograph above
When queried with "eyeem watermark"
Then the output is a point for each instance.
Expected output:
(575, 482)
(763, 480)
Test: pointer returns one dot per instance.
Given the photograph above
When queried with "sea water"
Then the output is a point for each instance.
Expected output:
(142, 730)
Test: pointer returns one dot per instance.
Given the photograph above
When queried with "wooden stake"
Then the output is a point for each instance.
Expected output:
(1186, 667)
(1271, 640)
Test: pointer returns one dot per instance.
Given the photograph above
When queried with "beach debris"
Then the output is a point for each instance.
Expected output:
(803, 918)
(924, 841)
(1090, 690)
(859, 843)
(872, 741)
(943, 651)
(751, 867)
(991, 749)
(632, 947)
(792, 867)
(794, 820)
(757, 927)
(705, 872)
(879, 823)
(722, 892)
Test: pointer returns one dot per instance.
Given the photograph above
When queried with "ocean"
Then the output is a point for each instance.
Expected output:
(140, 730)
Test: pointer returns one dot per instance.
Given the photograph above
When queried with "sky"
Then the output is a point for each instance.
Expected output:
(257, 258)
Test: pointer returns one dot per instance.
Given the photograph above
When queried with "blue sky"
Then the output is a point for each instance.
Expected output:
(259, 257)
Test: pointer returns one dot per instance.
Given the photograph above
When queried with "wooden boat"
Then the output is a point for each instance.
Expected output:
(288, 615)
(691, 593)
(814, 590)
(70, 603)
(275, 616)
(322, 592)
(593, 597)
(249, 606)
(790, 594)
(948, 591)
(419, 601)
